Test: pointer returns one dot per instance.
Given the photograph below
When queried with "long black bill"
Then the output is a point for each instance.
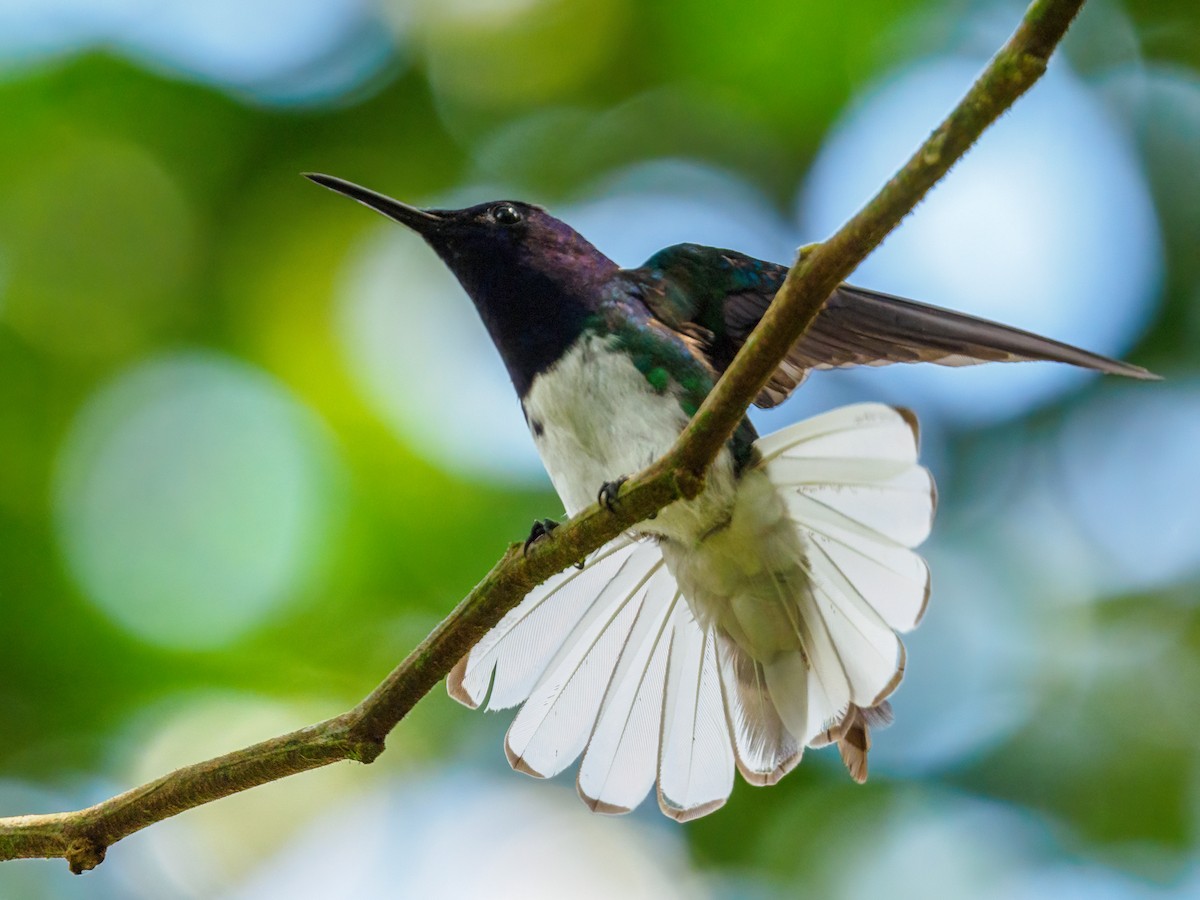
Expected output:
(418, 220)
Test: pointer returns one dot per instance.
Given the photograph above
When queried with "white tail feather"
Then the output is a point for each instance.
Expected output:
(764, 748)
(556, 721)
(614, 662)
(520, 647)
(619, 763)
(695, 757)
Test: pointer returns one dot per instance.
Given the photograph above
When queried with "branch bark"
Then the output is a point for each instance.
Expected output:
(82, 837)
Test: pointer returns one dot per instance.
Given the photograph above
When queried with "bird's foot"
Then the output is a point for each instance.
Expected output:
(608, 493)
(541, 528)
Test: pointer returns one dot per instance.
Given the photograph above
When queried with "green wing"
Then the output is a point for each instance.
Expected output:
(717, 297)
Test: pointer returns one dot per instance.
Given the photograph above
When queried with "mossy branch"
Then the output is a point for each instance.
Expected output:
(82, 837)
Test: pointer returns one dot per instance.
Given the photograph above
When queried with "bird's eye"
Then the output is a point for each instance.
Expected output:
(506, 214)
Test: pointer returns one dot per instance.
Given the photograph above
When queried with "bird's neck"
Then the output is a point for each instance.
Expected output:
(535, 315)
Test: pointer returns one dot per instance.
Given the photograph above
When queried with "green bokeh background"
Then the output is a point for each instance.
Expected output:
(152, 220)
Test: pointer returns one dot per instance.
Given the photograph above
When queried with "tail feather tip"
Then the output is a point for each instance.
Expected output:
(519, 764)
(456, 687)
(687, 814)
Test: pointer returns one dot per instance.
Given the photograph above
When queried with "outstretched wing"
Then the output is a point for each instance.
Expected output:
(718, 296)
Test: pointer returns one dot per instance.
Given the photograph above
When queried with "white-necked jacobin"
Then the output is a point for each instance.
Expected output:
(735, 629)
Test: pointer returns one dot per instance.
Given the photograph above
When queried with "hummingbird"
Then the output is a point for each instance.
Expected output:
(735, 629)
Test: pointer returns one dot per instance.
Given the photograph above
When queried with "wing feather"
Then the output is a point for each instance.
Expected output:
(726, 293)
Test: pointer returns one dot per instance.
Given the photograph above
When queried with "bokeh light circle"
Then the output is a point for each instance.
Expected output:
(105, 247)
(1128, 472)
(420, 353)
(968, 684)
(638, 210)
(282, 51)
(193, 499)
(523, 840)
(497, 54)
(214, 848)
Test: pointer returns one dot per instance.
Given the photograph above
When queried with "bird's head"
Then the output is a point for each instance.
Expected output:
(535, 280)
(496, 249)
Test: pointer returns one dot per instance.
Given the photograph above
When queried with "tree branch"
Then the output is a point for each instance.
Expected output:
(83, 836)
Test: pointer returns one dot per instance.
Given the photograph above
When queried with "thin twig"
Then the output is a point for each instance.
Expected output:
(82, 837)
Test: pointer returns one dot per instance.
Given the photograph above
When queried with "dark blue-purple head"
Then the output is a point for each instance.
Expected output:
(533, 278)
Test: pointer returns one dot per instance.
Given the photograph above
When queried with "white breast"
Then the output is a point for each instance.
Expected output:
(595, 418)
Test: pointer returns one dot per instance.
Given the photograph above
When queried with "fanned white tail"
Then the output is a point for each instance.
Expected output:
(779, 630)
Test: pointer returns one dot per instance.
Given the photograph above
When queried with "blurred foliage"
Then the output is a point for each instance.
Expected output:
(146, 215)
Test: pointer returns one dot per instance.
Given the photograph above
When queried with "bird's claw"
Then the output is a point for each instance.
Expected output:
(608, 493)
(540, 528)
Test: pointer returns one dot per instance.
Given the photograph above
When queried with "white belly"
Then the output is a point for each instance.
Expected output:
(595, 418)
